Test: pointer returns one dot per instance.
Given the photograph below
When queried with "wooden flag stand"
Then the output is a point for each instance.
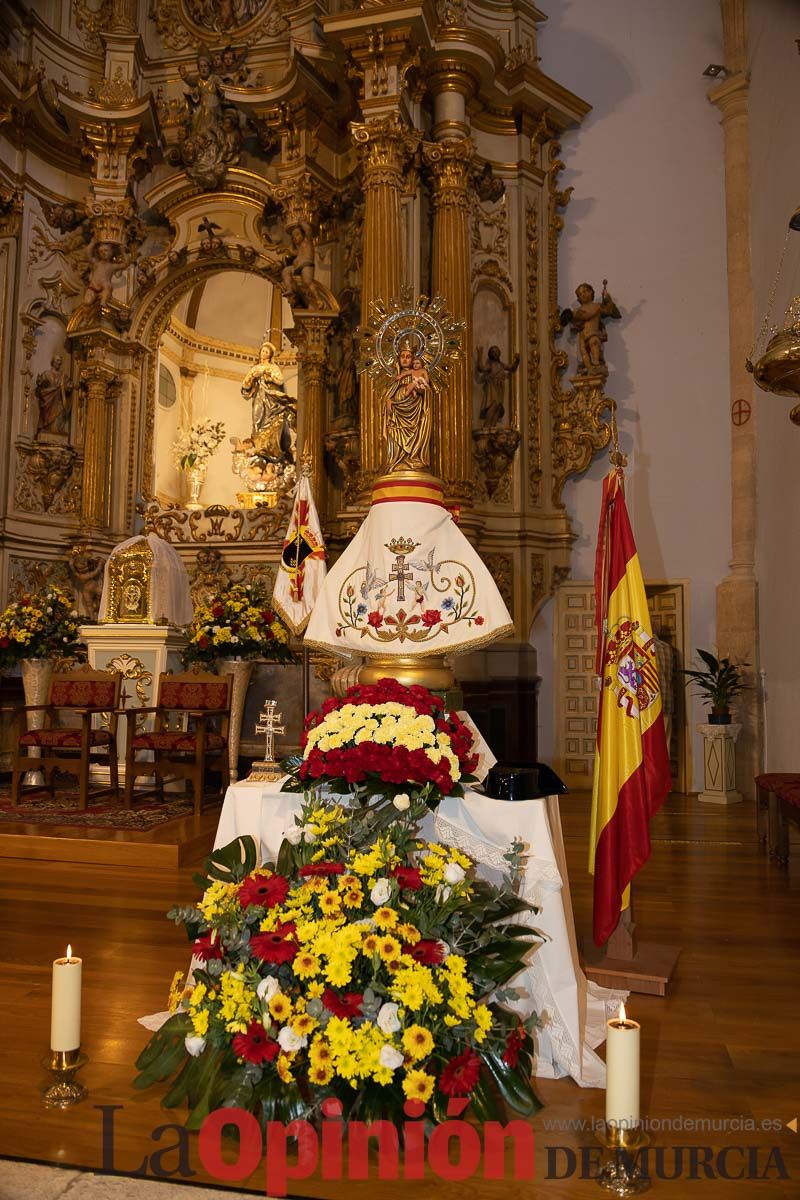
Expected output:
(626, 964)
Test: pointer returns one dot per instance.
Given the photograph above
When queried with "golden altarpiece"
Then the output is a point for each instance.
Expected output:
(183, 184)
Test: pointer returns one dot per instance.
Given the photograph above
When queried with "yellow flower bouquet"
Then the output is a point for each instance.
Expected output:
(41, 625)
(370, 969)
(239, 623)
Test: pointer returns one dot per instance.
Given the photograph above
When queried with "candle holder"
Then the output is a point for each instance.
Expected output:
(621, 1174)
(65, 1090)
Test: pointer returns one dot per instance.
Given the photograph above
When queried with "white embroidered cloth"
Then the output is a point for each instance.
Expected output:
(408, 583)
(170, 593)
(573, 1011)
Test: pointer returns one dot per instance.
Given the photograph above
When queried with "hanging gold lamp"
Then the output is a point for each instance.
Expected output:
(777, 369)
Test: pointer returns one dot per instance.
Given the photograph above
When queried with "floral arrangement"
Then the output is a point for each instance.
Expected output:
(372, 969)
(237, 624)
(44, 625)
(386, 740)
(194, 446)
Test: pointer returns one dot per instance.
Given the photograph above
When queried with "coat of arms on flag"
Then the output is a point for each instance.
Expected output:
(302, 566)
(631, 668)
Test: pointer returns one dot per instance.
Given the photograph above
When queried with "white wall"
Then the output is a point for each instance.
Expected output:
(774, 105)
(648, 214)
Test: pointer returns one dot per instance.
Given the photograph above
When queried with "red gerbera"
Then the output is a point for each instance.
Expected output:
(346, 1005)
(514, 1043)
(263, 890)
(205, 949)
(322, 868)
(461, 1074)
(428, 952)
(276, 946)
(408, 877)
(255, 1046)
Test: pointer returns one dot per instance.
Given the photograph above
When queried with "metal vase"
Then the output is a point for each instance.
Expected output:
(241, 669)
(36, 676)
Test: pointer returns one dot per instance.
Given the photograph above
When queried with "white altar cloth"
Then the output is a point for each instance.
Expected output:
(572, 1010)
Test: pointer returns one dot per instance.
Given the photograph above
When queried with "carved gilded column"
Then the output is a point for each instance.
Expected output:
(102, 390)
(383, 145)
(737, 595)
(449, 163)
(310, 335)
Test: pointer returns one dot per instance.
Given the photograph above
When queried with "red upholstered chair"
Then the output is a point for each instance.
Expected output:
(205, 701)
(72, 748)
(775, 792)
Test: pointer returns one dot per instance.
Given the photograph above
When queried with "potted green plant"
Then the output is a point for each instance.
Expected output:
(719, 682)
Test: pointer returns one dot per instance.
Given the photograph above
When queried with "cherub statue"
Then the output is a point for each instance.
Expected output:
(104, 269)
(493, 376)
(587, 321)
(86, 573)
(300, 263)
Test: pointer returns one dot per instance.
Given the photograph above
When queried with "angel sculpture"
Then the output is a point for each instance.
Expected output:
(406, 346)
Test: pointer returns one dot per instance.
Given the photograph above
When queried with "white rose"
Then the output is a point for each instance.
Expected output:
(391, 1058)
(290, 1041)
(294, 835)
(194, 1045)
(267, 988)
(308, 834)
(402, 801)
(453, 873)
(381, 892)
(388, 1021)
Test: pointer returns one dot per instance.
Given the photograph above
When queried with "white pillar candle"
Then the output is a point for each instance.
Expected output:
(622, 1071)
(65, 1013)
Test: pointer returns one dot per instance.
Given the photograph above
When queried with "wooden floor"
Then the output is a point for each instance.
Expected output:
(174, 844)
(723, 1045)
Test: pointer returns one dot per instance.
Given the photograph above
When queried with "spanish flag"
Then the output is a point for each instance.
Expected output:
(631, 766)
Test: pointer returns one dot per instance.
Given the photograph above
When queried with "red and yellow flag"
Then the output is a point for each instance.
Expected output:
(631, 766)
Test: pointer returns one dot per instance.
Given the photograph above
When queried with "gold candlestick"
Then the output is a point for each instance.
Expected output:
(65, 1090)
(622, 1174)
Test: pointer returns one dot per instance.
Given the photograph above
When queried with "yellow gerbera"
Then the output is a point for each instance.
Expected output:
(305, 965)
(409, 934)
(280, 1007)
(320, 1074)
(417, 1042)
(385, 918)
(418, 1085)
(388, 948)
(371, 944)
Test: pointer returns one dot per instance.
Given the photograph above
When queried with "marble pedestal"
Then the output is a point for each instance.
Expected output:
(719, 764)
(141, 653)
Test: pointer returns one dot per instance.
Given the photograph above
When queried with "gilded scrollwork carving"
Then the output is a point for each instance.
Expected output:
(534, 406)
(212, 574)
(30, 575)
(216, 523)
(578, 429)
(48, 479)
(494, 451)
(501, 568)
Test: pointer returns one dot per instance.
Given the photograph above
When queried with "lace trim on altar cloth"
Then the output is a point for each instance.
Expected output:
(542, 872)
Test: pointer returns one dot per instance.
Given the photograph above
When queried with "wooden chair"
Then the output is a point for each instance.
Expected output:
(84, 693)
(181, 753)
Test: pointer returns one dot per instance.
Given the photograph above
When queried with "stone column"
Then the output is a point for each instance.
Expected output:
(102, 390)
(737, 595)
(310, 335)
(383, 145)
(449, 161)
